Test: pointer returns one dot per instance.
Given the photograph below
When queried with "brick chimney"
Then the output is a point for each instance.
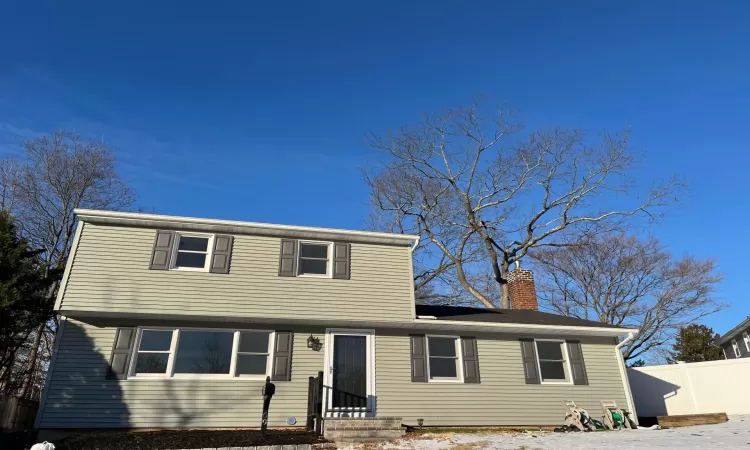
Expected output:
(521, 289)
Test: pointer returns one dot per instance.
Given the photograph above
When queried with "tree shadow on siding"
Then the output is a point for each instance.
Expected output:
(79, 393)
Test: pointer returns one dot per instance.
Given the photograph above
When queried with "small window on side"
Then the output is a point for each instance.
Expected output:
(736, 349)
(443, 360)
(314, 259)
(746, 338)
(552, 361)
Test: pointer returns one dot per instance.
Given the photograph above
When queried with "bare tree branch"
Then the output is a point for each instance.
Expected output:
(621, 280)
(474, 193)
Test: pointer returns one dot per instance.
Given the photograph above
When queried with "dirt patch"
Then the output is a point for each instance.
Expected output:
(470, 445)
(183, 439)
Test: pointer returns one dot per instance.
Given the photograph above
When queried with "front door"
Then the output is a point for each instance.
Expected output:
(350, 377)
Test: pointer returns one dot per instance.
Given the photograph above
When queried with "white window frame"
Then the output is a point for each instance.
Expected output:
(176, 250)
(329, 266)
(736, 348)
(236, 352)
(459, 360)
(746, 338)
(232, 375)
(566, 362)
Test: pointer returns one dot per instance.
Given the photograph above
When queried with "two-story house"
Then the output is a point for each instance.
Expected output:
(175, 322)
(736, 342)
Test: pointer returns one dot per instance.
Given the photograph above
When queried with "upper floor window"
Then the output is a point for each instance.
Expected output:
(192, 251)
(553, 361)
(314, 259)
(736, 348)
(746, 338)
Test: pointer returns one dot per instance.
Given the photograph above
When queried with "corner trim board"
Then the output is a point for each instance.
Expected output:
(68, 266)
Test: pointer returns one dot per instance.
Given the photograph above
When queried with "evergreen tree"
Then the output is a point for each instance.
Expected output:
(696, 343)
(24, 304)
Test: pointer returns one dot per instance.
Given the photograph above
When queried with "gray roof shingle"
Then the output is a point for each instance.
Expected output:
(494, 315)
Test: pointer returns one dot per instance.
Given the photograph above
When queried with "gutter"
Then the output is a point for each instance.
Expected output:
(624, 374)
(524, 327)
(239, 227)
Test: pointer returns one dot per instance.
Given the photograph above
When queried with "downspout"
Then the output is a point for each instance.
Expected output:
(624, 375)
(411, 271)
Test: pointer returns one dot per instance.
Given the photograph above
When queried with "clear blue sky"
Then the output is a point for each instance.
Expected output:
(257, 112)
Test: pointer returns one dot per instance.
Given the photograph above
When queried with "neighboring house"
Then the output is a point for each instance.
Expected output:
(736, 343)
(174, 322)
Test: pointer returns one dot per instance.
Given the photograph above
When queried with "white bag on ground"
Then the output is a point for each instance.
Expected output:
(43, 446)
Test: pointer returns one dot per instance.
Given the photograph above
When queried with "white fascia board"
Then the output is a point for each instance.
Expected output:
(240, 227)
(524, 328)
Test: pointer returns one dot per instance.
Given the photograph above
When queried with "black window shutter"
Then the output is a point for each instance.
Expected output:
(342, 260)
(222, 254)
(288, 258)
(471, 359)
(161, 256)
(119, 359)
(418, 359)
(282, 356)
(576, 363)
(528, 354)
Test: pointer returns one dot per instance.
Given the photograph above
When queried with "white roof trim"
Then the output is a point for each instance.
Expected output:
(525, 327)
(239, 227)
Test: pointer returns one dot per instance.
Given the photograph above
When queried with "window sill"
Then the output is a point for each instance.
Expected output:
(197, 377)
(313, 276)
(445, 380)
(188, 269)
(558, 383)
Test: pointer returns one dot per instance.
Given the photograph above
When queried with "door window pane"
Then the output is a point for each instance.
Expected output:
(156, 340)
(208, 352)
(443, 368)
(252, 364)
(152, 363)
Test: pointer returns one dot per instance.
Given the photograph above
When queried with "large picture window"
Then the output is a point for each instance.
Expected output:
(443, 358)
(553, 361)
(198, 352)
(208, 352)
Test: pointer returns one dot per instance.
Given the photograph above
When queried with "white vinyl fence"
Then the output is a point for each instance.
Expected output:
(692, 388)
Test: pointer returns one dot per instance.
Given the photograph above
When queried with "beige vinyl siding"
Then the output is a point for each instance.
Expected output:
(503, 397)
(110, 274)
(79, 396)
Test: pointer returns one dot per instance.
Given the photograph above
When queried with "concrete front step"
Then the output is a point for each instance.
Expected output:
(362, 429)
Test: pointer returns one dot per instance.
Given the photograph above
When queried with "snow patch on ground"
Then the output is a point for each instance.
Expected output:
(734, 434)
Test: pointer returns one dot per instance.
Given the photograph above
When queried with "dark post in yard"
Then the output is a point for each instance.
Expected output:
(268, 390)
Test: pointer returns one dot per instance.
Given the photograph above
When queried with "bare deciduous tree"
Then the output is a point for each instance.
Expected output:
(621, 280)
(62, 172)
(482, 200)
